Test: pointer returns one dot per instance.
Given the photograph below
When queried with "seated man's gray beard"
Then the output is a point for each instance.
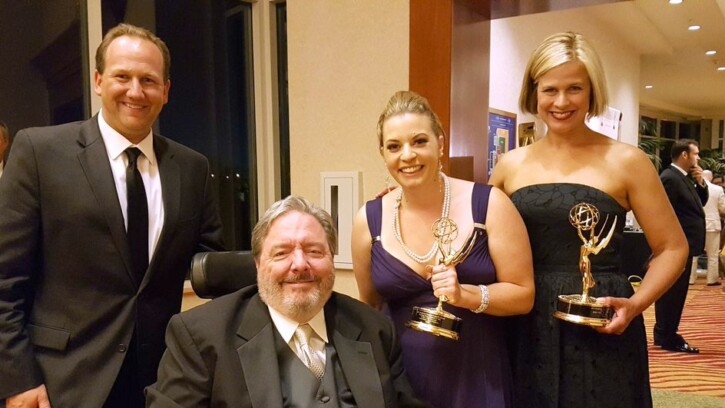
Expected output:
(272, 295)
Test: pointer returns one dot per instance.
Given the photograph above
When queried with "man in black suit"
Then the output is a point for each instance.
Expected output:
(245, 349)
(99, 222)
(687, 192)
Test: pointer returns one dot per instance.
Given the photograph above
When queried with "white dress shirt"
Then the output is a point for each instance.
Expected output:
(286, 328)
(684, 173)
(147, 165)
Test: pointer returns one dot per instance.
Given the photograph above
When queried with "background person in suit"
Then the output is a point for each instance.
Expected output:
(4, 144)
(687, 192)
(714, 207)
(82, 312)
(243, 349)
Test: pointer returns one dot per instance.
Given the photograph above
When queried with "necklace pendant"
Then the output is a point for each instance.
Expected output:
(421, 259)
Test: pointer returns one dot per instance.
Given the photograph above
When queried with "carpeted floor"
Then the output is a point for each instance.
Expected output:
(692, 380)
(672, 399)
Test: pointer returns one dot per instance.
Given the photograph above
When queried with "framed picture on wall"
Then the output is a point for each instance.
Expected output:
(607, 124)
(501, 135)
(527, 134)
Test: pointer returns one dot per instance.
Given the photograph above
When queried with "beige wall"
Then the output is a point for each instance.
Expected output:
(346, 58)
(514, 39)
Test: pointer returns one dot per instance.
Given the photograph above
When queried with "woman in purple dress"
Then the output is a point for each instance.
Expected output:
(396, 263)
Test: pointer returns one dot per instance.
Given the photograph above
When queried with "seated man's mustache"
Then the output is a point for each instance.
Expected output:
(302, 277)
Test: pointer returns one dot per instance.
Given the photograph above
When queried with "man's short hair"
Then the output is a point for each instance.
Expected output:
(284, 206)
(129, 30)
(681, 145)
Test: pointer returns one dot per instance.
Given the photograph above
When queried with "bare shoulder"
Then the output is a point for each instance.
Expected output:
(515, 156)
(498, 194)
(630, 155)
(460, 184)
(498, 200)
(508, 166)
(361, 216)
(627, 168)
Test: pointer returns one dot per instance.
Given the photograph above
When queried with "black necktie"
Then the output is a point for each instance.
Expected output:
(138, 216)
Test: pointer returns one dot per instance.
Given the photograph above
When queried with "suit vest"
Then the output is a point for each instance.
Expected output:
(301, 389)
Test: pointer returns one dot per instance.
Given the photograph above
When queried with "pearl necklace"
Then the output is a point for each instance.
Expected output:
(421, 259)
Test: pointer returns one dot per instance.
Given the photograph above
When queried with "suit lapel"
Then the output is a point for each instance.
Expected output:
(169, 173)
(95, 163)
(258, 356)
(356, 358)
(690, 187)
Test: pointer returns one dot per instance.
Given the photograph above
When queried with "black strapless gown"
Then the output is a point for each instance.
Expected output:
(560, 364)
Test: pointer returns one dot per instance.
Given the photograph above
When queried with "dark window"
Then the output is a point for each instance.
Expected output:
(668, 129)
(211, 101)
(42, 52)
(690, 130)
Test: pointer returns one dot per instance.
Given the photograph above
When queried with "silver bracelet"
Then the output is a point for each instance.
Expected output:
(484, 300)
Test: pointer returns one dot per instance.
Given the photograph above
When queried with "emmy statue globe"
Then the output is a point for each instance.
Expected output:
(584, 309)
(437, 321)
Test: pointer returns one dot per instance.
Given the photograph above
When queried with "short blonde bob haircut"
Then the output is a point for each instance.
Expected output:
(408, 102)
(556, 50)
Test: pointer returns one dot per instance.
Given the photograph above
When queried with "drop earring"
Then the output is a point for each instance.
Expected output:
(440, 174)
(388, 182)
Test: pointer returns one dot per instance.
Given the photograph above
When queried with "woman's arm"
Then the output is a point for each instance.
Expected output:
(649, 202)
(361, 248)
(510, 249)
(508, 245)
(498, 176)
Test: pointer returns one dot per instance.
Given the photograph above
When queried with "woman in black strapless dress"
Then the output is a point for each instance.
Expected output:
(557, 363)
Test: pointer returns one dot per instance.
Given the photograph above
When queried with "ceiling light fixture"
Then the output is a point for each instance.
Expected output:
(675, 1)
(711, 52)
(694, 27)
(648, 87)
(721, 68)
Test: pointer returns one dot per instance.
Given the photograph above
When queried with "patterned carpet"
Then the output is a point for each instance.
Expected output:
(703, 325)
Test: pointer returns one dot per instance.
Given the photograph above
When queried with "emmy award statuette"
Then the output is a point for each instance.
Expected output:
(437, 321)
(584, 309)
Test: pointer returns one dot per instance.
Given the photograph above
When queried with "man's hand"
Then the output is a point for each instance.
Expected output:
(385, 191)
(34, 398)
(696, 174)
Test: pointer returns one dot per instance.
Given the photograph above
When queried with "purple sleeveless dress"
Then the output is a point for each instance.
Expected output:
(469, 373)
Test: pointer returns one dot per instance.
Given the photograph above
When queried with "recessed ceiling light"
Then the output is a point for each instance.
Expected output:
(694, 27)
(675, 1)
(648, 87)
(721, 68)
(711, 52)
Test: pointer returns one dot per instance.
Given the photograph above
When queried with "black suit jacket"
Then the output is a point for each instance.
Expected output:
(69, 302)
(687, 199)
(223, 354)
